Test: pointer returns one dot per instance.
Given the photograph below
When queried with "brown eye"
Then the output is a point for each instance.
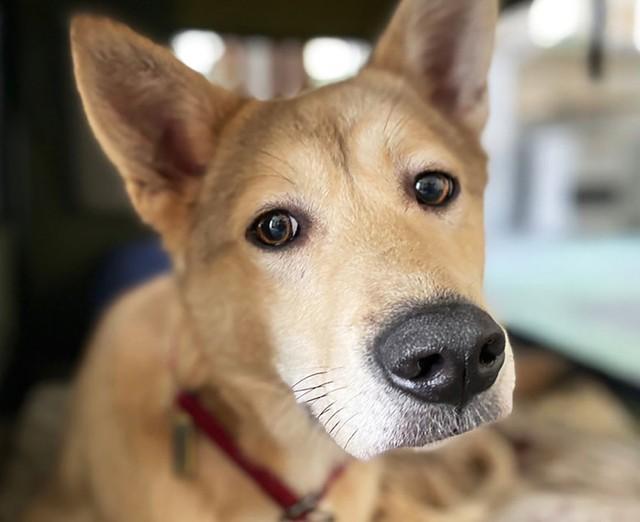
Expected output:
(434, 188)
(274, 228)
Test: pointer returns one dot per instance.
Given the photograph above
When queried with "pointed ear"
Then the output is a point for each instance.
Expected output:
(444, 48)
(157, 120)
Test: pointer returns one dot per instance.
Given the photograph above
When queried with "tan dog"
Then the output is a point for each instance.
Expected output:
(327, 293)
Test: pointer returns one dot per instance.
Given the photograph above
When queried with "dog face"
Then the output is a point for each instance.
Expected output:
(330, 245)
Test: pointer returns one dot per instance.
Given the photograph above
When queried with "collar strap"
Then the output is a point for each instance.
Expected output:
(295, 508)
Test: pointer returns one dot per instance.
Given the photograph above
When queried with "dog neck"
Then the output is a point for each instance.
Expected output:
(262, 417)
(275, 434)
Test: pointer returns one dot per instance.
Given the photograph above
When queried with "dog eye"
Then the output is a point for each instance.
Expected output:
(434, 189)
(274, 228)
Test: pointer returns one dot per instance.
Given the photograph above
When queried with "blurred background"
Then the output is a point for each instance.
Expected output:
(562, 209)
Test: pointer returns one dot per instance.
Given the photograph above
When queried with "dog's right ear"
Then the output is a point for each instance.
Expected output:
(156, 119)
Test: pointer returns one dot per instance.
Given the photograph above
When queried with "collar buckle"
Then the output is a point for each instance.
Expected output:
(306, 509)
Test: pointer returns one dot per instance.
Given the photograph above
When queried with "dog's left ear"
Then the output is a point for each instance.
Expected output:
(443, 48)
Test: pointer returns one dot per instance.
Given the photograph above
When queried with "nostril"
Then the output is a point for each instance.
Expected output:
(419, 368)
(429, 365)
(491, 350)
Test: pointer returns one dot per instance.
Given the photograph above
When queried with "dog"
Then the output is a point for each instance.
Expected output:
(326, 302)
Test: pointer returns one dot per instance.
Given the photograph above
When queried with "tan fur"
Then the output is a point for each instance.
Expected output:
(243, 326)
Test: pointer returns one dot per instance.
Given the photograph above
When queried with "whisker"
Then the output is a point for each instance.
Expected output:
(284, 409)
(355, 395)
(319, 367)
(310, 388)
(328, 392)
(317, 398)
(333, 415)
(334, 427)
(309, 377)
(307, 392)
(326, 410)
(351, 438)
(347, 422)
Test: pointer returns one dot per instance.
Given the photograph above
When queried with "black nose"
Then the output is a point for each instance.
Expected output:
(443, 353)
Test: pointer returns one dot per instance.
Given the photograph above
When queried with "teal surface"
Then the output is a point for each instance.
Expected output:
(581, 297)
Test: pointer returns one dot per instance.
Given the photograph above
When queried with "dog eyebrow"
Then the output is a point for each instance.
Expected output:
(340, 153)
(276, 172)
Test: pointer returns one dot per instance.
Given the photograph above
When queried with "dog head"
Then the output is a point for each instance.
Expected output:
(330, 244)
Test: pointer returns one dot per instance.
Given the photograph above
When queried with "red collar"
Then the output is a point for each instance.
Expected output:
(295, 508)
